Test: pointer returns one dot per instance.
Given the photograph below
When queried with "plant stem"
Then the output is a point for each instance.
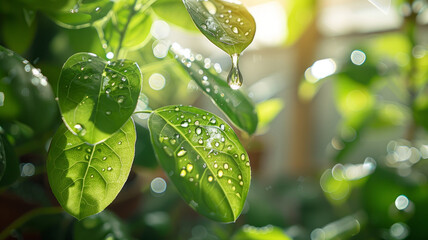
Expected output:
(26, 217)
(143, 111)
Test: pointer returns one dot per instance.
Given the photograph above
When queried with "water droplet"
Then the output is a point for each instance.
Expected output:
(108, 91)
(87, 157)
(191, 179)
(80, 130)
(242, 157)
(204, 117)
(97, 9)
(234, 79)
(198, 130)
(177, 136)
(176, 109)
(239, 176)
(104, 158)
(235, 155)
(183, 173)
(233, 188)
(247, 164)
(181, 153)
(210, 178)
(217, 144)
(220, 173)
(222, 127)
(213, 121)
(92, 175)
(189, 167)
(238, 195)
(108, 113)
(197, 123)
(235, 30)
(229, 181)
(120, 142)
(120, 99)
(215, 165)
(222, 139)
(103, 169)
(109, 168)
(226, 166)
(172, 141)
(201, 141)
(184, 124)
(88, 150)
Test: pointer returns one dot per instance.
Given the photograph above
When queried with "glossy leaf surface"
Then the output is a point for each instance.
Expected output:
(96, 97)
(129, 26)
(85, 178)
(174, 12)
(227, 24)
(104, 225)
(260, 233)
(234, 103)
(203, 158)
(79, 14)
(26, 93)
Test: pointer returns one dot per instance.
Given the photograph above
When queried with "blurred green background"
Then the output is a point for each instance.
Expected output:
(341, 151)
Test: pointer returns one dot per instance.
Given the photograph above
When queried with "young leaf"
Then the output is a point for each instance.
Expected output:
(85, 178)
(234, 103)
(26, 93)
(97, 97)
(80, 14)
(129, 26)
(104, 225)
(227, 24)
(203, 158)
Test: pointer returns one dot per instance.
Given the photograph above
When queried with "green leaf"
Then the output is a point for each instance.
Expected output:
(263, 233)
(299, 16)
(227, 24)
(81, 13)
(97, 97)
(203, 158)
(85, 178)
(2, 158)
(27, 96)
(129, 26)
(234, 103)
(174, 12)
(104, 225)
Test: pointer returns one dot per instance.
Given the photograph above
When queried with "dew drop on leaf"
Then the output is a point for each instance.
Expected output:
(210, 178)
(181, 153)
(183, 173)
(189, 167)
(242, 157)
(220, 173)
(184, 124)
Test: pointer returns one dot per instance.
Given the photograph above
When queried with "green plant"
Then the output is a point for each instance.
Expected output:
(91, 154)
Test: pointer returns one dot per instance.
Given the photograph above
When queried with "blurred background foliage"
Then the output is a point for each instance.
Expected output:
(341, 151)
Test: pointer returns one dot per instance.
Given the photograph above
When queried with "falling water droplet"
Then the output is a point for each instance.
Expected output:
(234, 79)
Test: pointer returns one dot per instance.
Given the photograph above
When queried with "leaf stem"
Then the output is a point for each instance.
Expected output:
(143, 111)
(28, 216)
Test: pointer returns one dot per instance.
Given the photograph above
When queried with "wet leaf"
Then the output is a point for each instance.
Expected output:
(260, 233)
(174, 12)
(227, 24)
(97, 97)
(129, 26)
(203, 158)
(26, 93)
(104, 225)
(80, 14)
(85, 178)
(234, 103)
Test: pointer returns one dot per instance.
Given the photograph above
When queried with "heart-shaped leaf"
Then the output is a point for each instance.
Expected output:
(234, 103)
(204, 159)
(79, 14)
(226, 23)
(129, 26)
(97, 97)
(85, 178)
